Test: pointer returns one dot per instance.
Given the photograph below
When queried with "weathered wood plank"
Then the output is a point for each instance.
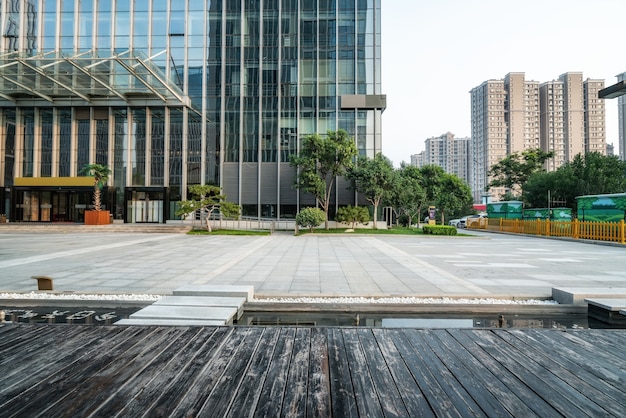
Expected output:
(471, 380)
(509, 381)
(366, 397)
(294, 400)
(409, 391)
(271, 397)
(548, 353)
(384, 384)
(75, 376)
(341, 389)
(255, 376)
(43, 375)
(112, 374)
(184, 383)
(224, 392)
(457, 395)
(318, 394)
(205, 381)
(555, 391)
(160, 368)
(429, 384)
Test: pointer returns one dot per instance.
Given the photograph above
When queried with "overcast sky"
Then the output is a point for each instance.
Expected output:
(435, 52)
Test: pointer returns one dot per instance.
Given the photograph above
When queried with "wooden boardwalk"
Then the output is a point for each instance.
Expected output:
(104, 371)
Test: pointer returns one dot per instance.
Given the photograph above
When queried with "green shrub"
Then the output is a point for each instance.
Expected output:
(310, 218)
(439, 230)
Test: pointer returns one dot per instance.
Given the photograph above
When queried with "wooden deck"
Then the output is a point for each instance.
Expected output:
(79, 371)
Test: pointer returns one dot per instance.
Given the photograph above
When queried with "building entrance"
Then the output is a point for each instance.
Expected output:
(145, 206)
(51, 205)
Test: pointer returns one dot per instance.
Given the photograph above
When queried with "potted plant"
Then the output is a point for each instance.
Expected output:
(100, 174)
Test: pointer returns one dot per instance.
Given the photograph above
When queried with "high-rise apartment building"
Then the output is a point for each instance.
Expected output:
(513, 114)
(171, 93)
(446, 151)
(621, 116)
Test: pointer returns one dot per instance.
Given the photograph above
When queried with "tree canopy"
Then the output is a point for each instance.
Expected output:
(207, 198)
(513, 171)
(373, 179)
(587, 174)
(320, 161)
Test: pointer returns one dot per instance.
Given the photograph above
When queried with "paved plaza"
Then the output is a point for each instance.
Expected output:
(282, 265)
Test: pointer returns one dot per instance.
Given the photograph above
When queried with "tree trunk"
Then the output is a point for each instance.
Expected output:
(375, 213)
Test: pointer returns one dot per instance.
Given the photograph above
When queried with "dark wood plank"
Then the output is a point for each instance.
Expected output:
(40, 375)
(294, 400)
(456, 394)
(56, 388)
(270, 399)
(576, 354)
(366, 397)
(409, 391)
(429, 384)
(133, 395)
(384, 384)
(225, 390)
(343, 402)
(113, 373)
(476, 381)
(208, 376)
(318, 394)
(602, 344)
(165, 396)
(509, 382)
(591, 380)
(555, 391)
(255, 377)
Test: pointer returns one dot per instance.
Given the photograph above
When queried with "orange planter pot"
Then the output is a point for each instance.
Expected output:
(97, 217)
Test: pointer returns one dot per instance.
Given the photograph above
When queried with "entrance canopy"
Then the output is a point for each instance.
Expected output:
(127, 77)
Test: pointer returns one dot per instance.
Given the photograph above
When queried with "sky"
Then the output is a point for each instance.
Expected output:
(435, 52)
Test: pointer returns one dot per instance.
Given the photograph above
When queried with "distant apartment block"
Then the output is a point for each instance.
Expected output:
(621, 114)
(446, 151)
(515, 114)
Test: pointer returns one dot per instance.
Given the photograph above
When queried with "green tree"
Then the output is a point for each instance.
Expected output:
(513, 171)
(353, 214)
(454, 196)
(407, 196)
(587, 174)
(207, 198)
(310, 218)
(320, 161)
(100, 175)
(373, 179)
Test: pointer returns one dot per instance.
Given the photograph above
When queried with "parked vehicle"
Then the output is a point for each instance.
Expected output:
(469, 220)
(454, 222)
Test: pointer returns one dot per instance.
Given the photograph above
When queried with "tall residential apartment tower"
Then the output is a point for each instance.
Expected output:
(450, 153)
(171, 93)
(514, 114)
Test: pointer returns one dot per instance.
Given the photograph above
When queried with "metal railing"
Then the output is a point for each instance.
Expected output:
(597, 231)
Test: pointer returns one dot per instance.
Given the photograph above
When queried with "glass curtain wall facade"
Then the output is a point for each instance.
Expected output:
(172, 93)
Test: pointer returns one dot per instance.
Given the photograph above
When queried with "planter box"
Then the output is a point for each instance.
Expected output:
(97, 217)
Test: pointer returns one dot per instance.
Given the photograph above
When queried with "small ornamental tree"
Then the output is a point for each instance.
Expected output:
(310, 218)
(320, 161)
(353, 214)
(100, 175)
(207, 198)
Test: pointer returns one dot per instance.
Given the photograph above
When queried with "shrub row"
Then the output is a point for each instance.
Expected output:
(439, 230)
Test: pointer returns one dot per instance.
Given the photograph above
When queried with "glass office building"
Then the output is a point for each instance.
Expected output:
(172, 93)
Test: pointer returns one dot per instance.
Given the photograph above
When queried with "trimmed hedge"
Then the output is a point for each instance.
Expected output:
(439, 230)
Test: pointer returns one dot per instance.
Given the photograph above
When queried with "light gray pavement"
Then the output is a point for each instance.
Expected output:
(481, 265)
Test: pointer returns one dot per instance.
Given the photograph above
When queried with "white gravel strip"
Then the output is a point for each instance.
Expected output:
(79, 296)
(411, 300)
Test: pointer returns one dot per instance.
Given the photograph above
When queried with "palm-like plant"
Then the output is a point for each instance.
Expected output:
(100, 175)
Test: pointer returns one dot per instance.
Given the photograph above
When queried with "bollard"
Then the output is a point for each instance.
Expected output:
(43, 282)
